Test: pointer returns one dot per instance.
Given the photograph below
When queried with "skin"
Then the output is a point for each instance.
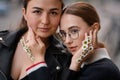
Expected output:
(71, 20)
(74, 46)
(41, 18)
(42, 22)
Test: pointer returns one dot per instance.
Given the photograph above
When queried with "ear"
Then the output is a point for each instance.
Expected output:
(24, 13)
(96, 26)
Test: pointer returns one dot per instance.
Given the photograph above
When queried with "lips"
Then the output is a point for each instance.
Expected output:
(73, 48)
(44, 29)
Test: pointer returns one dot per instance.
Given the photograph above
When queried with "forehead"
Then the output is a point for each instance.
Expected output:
(69, 20)
(45, 4)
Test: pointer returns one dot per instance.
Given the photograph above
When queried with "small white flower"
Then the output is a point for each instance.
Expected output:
(80, 58)
(85, 42)
(88, 39)
(84, 47)
(91, 48)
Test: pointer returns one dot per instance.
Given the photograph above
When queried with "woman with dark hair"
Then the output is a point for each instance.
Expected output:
(31, 52)
(79, 27)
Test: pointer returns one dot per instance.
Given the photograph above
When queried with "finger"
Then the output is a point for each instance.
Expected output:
(31, 36)
(41, 44)
(86, 35)
(91, 34)
(91, 37)
(95, 41)
(39, 41)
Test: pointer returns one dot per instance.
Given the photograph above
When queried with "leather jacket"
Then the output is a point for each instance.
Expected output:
(55, 55)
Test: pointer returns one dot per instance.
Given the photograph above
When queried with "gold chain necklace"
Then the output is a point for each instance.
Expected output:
(26, 49)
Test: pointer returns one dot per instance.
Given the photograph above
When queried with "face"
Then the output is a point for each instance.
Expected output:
(43, 16)
(75, 27)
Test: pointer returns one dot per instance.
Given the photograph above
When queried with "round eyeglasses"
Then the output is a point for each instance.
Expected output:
(73, 34)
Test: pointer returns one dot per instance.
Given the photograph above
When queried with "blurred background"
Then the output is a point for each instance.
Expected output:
(108, 10)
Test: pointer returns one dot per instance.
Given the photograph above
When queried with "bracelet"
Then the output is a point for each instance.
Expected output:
(26, 49)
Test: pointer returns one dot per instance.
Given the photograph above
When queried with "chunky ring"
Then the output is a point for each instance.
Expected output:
(27, 41)
(79, 59)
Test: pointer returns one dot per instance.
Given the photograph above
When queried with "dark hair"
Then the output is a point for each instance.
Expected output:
(23, 23)
(84, 10)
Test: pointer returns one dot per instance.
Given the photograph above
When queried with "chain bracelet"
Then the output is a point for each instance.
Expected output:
(27, 50)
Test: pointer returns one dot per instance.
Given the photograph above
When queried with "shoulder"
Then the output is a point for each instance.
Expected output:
(8, 38)
(14, 32)
(2, 33)
(103, 68)
(105, 63)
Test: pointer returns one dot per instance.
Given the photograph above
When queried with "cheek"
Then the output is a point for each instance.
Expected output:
(31, 22)
(56, 21)
(79, 42)
(80, 39)
(54, 24)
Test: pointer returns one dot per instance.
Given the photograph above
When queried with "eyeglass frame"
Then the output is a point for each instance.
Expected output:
(69, 33)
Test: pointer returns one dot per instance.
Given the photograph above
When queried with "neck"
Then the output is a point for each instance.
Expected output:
(45, 41)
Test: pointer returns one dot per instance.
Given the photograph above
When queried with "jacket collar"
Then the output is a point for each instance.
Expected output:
(12, 37)
(99, 54)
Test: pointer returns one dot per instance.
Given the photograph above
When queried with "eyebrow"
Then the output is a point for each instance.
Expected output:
(37, 8)
(73, 27)
(43, 9)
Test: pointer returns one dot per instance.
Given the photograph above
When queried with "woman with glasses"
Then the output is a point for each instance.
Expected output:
(79, 27)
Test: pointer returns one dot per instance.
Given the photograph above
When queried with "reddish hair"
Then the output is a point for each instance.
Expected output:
(84, 10)
(25, 4)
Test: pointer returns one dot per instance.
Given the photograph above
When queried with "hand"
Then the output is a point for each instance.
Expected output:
(36, 46)
(79, 54)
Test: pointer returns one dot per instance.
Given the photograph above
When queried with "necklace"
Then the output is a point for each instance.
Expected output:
(26, 49)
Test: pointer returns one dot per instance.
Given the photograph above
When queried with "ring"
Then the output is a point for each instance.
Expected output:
(80, 59)
(26, 41)
(91, 48)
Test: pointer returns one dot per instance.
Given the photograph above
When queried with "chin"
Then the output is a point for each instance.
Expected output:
(42, 34)
(72, 53)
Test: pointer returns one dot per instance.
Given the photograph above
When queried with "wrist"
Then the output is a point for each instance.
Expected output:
(75, 66)
(38, 59)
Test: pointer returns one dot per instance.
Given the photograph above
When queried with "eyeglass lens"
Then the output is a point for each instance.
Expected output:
(72, 33)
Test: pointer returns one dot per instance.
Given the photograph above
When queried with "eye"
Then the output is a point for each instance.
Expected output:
(74, 31)
(62, 33)
(37, 12)
(53, 13)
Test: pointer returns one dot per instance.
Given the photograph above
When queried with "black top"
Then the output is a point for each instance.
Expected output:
(103, 69)
(54, 57)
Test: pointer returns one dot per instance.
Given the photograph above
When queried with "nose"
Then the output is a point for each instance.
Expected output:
(45, 19)
(68, 40)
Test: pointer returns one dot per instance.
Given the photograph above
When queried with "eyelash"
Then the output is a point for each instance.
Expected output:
(54, 13)
(51, 13)
(37, 12)
(74, 30)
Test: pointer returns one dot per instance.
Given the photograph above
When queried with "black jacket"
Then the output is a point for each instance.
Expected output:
(103, 69)
(57, 61)
(55, 55)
